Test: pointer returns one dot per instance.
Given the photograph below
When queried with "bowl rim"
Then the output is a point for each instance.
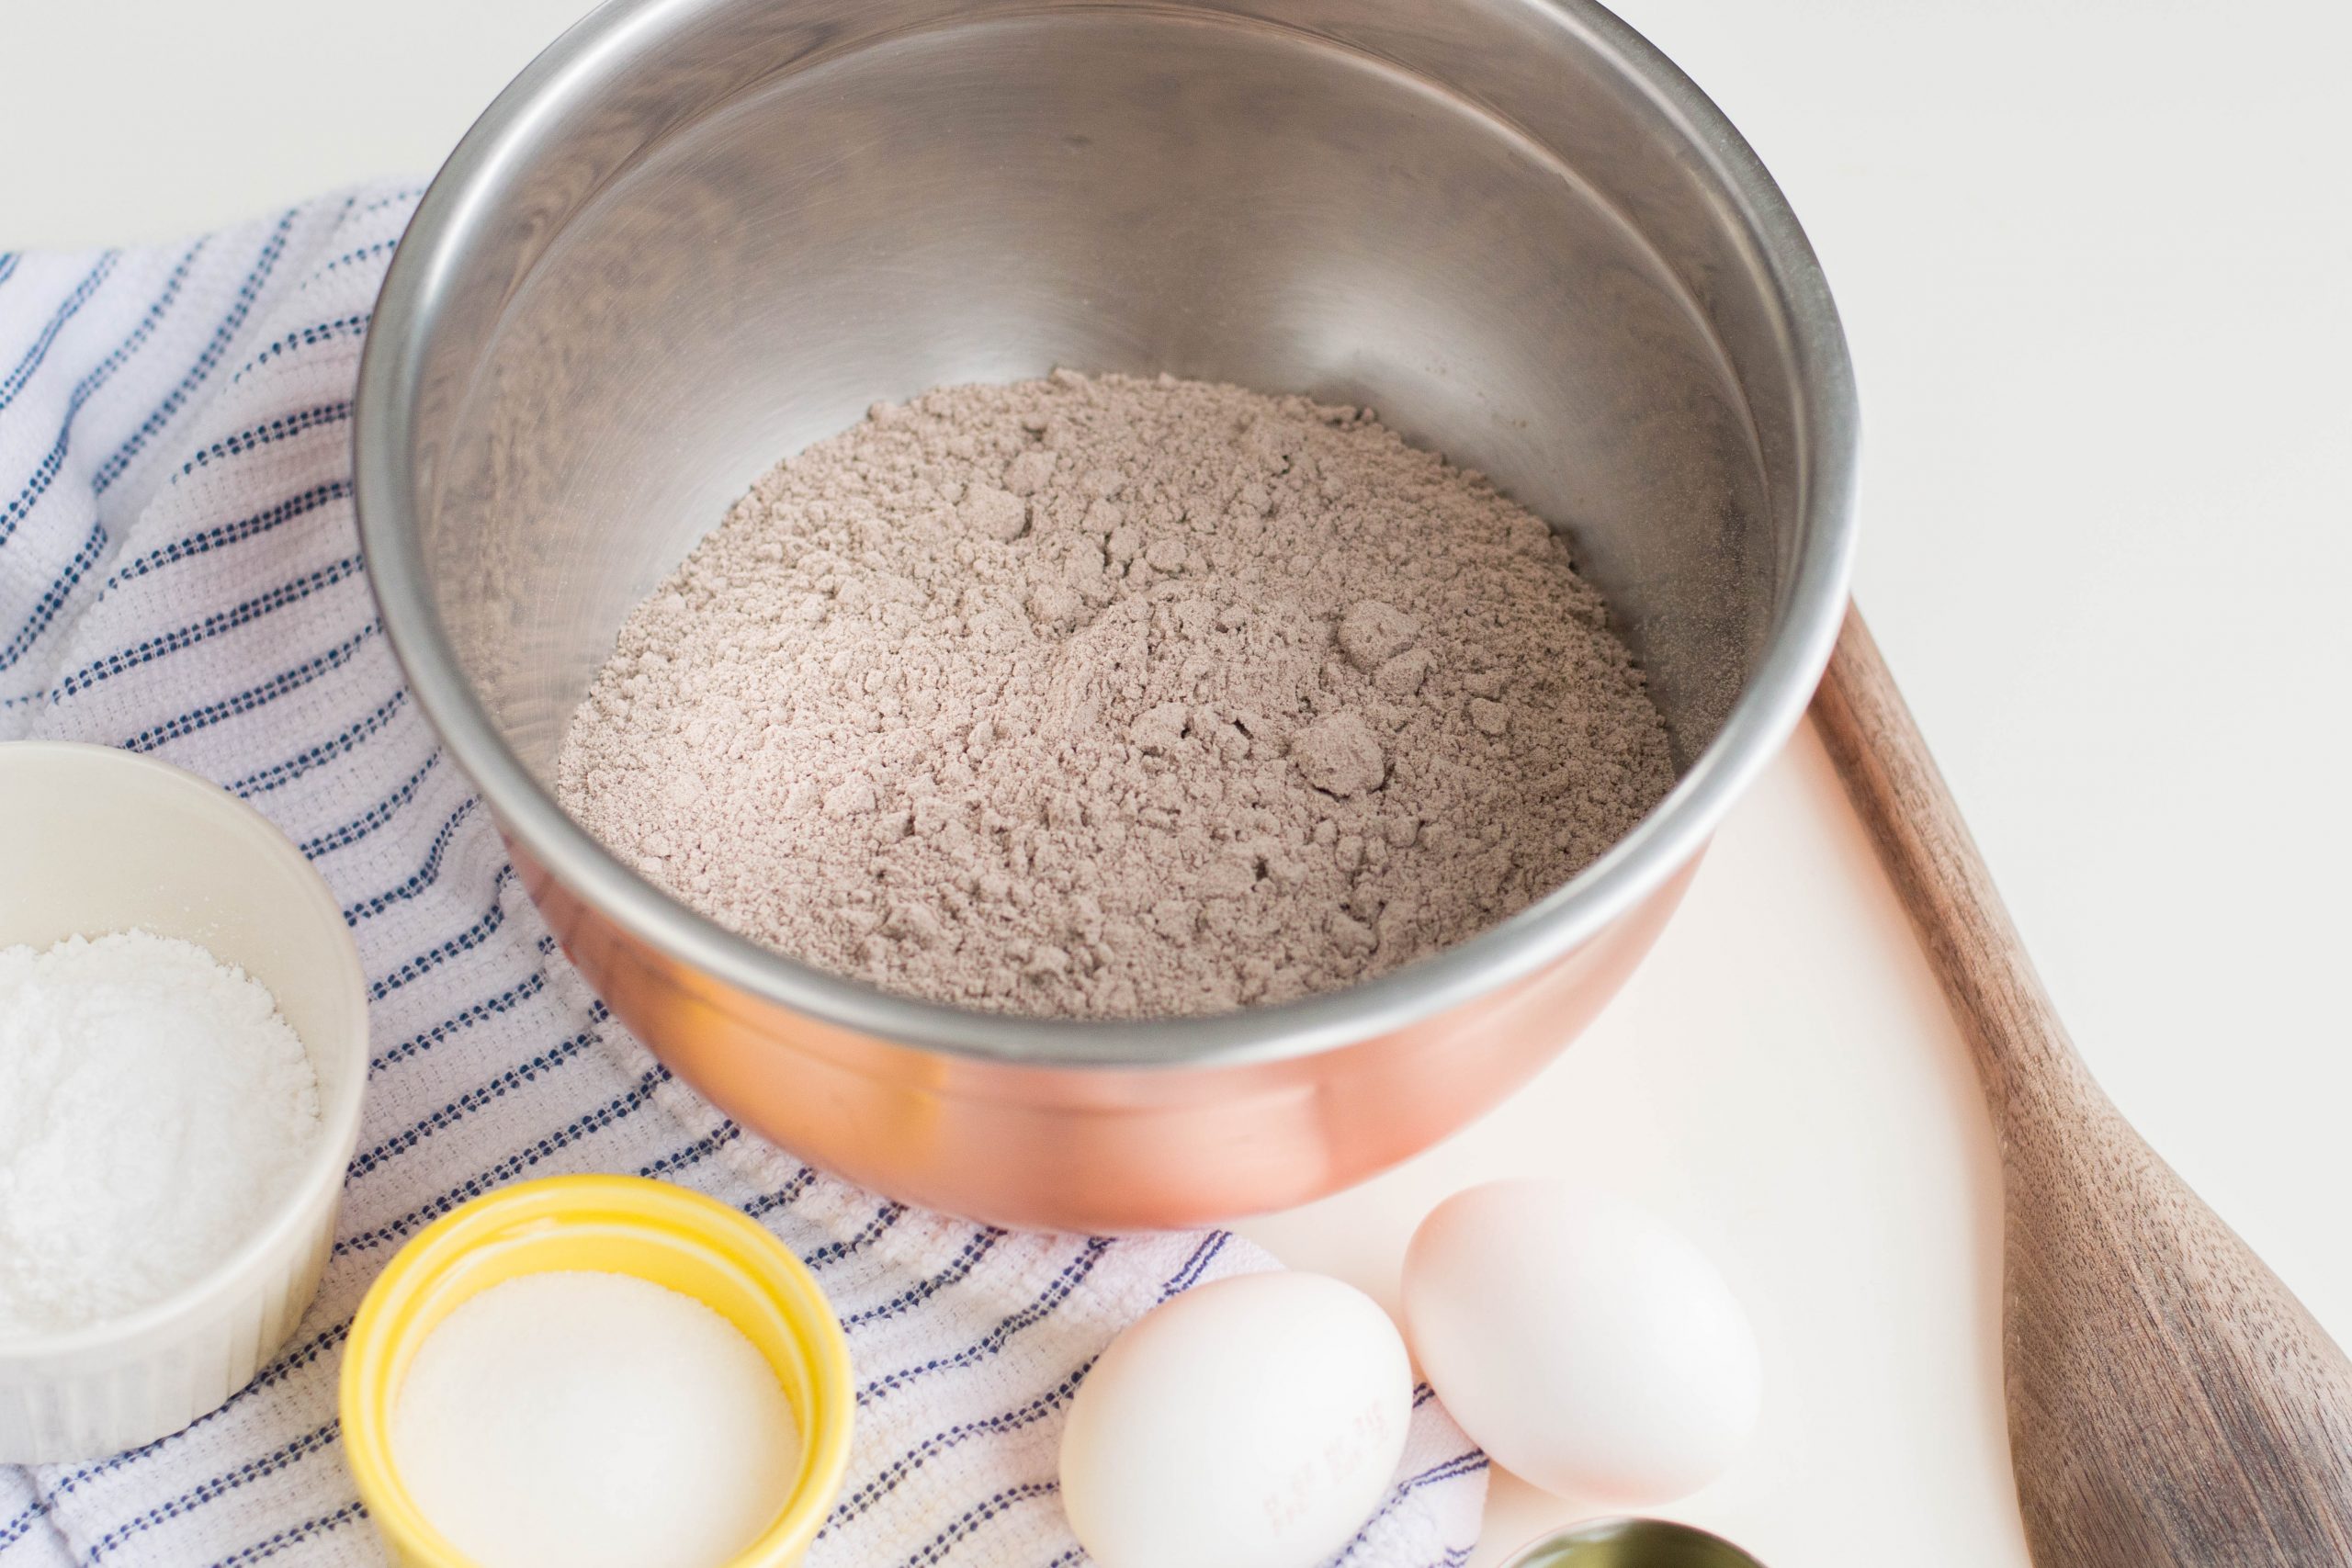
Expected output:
(463, 199)
(364, 1401)
(322, 1172)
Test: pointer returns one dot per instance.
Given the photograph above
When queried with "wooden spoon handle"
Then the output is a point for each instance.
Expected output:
(2171, 1404)
(2004, 1012)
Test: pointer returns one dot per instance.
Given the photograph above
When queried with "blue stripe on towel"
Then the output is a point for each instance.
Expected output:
(77, 296)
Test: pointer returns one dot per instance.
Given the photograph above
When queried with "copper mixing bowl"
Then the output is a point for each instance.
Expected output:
(697, 234)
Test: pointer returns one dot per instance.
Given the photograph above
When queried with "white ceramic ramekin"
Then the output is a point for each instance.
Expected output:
(94, 840)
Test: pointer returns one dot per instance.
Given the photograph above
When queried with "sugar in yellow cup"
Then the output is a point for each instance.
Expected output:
(621, 1224)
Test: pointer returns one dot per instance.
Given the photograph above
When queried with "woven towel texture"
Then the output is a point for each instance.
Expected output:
(179, 575)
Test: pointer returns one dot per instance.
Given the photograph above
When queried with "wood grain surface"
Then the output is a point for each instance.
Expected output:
(2171, 1404)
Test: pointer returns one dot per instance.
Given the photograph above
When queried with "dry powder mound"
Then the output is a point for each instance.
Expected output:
(1108, 697)
(154, 1111)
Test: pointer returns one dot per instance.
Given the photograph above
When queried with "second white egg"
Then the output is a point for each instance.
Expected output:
(1584, 1344)
(1251, 1423)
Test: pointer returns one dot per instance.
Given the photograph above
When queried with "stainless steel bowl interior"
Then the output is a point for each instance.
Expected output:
(698, 234)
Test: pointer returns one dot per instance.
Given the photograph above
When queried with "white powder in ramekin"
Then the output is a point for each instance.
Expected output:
(154, 1111)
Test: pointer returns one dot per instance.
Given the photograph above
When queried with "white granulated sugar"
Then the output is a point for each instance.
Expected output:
(154, 1111)
(576, 1419)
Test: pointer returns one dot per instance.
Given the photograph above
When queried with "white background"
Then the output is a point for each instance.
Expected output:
(2095, 257)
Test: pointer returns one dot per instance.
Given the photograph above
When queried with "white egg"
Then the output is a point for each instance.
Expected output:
(1251, 1423)
(1586, 1346)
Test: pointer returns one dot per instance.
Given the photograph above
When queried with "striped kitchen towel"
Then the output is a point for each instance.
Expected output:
(179, 575)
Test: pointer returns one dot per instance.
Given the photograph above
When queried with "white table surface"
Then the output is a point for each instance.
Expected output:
(2093, 258)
